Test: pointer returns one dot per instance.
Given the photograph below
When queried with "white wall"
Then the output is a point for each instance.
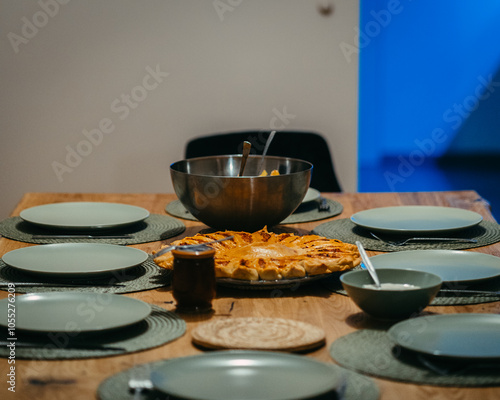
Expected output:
(228, 68)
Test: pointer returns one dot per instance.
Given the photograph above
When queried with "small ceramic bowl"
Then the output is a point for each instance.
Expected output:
(387, 303)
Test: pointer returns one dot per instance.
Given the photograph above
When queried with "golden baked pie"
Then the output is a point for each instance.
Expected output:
(264, 255)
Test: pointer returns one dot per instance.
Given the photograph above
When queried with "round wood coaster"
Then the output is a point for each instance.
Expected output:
(259, 334)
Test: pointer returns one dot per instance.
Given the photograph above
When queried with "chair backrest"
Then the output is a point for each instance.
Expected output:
(309, 146)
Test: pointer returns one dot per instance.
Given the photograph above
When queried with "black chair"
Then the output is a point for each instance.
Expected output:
(309, 146)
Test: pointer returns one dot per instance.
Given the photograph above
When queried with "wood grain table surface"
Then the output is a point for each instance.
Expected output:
(337, 315)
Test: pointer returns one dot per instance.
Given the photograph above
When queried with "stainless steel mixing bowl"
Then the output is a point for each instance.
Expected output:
(210, 188)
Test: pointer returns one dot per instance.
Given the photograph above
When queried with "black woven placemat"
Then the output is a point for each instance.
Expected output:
(145, 276)
(486, 233)
(454, 297)
(116, 387)
(155, 227)
(371, 352)
(306, 212)
(159, 328)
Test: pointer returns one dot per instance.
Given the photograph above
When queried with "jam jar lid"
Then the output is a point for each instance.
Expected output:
(201, 251)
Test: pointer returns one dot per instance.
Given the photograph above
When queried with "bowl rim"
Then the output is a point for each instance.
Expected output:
(308, 164)
(439, 280)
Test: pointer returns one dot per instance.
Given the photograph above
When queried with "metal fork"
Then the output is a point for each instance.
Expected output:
(422, 239)
(81, 236)
(447, 369)
(136, 386)
(60, 284)
(323, 205)
(342, 389)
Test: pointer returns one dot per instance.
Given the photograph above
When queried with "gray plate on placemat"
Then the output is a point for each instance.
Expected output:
(416, 220)
(372, 352)
(451, 265)
(158, 328)
(154, 228)
(486, 233)
(355, 387)
(466, 336)
(70, 312)
(86, 215)
(245, 375)
(146, 276)
(74, 259)
(306, 212)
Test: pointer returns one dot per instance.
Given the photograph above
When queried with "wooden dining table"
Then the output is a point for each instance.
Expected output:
(314, 304)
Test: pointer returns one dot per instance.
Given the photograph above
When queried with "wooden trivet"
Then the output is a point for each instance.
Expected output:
(259, 334)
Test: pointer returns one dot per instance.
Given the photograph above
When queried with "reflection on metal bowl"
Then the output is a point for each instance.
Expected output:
(210, 188)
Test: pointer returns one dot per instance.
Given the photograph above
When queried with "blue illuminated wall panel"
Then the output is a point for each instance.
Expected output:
(429, 92)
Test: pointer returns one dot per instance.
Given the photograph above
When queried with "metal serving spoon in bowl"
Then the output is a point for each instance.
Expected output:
(246, 151)
(266, 147)
(368, 264)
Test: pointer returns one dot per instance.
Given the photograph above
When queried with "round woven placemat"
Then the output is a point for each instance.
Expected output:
(371, 352)
(176, 209)
(306, 212)
(116, 387)
(453, 298)
(259, 334)
(155, 227)
(486, 233)
(160, 327)
(145, 276)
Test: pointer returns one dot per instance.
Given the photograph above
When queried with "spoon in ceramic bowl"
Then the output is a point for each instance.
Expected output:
(368, 264)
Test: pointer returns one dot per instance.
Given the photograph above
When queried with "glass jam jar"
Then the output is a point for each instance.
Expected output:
(193, 279)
